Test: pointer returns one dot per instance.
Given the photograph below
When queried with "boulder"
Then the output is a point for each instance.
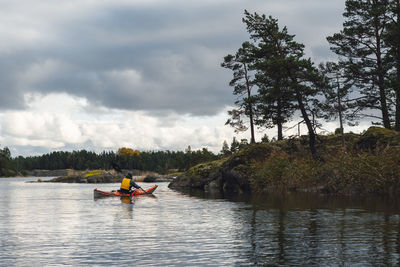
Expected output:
(228, 175)
(199, 176)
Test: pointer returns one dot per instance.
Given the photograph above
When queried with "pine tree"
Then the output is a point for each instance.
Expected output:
(235, 145)
(242, 83)
(283, 60)
(225, 149)
(5, 162)
(392, 38)
(265, 139)
(362, 52)
(274, 104)
(338, 102)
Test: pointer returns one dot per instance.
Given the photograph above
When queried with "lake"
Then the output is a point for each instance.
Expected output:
(49, 224)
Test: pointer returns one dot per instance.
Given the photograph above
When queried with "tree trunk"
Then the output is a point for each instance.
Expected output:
(382, 97)
(307, 120)
(397, 122)
(280, 132)
(279, 120)
(397, 90)
(381, 86)
(310, 128)
(252, 140)
(397, 53)
(340, 111)
(299, 99)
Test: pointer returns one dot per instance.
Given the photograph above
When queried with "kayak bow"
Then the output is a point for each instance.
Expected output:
(116, 193)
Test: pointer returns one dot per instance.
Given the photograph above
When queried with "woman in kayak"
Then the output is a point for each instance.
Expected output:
(127, 184)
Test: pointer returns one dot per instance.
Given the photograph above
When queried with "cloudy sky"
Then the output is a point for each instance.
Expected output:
(145, 74)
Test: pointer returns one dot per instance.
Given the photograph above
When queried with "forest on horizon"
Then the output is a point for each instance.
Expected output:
(273, 81)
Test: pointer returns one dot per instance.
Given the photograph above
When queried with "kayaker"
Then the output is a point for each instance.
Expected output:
(127, 184)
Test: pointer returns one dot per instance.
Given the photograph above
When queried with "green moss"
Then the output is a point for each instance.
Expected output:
(377, 137)
(254, 153)
(204, 169)
(93, 173)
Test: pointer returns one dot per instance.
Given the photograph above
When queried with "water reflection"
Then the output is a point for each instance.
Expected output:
(60, 224)
(312, 229)
(126, 200)
(127, 204)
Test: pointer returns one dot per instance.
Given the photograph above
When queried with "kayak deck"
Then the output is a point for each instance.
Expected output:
(116, 193)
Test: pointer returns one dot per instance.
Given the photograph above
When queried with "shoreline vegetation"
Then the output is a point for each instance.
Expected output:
(369, 163)
(104, 176)
(274, 82)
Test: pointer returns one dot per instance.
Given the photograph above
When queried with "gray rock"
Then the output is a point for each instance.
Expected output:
(102, 177)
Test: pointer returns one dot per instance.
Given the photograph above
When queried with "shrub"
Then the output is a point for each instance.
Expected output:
(271, 173)
(305, 172)
(376, 137)
(365, 173)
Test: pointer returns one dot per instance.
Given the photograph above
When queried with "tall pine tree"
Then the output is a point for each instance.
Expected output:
(242, 83)
(338, 96)
(392, 38)
(362, 52)
(274, 104)
(283, 60)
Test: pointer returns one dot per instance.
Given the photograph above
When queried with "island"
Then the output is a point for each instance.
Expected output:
(368, 163)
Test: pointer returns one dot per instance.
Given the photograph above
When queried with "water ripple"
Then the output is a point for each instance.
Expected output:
(61, 224)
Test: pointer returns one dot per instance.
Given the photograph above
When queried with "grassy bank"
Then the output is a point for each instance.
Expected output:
(369, 163)
(340, 171)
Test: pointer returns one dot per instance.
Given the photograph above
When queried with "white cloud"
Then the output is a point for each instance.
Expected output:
(102, 74)
(58, 125)
(49, 145)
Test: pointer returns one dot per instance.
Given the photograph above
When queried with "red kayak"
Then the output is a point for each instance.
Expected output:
(116, 193)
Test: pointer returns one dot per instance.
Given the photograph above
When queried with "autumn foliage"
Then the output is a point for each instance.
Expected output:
(124, 151)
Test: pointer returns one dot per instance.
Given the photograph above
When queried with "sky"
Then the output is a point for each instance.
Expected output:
(145, 74)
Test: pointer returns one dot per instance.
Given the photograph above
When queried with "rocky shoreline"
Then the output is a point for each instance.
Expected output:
(101, 176)
(368, 164)
(226, 176)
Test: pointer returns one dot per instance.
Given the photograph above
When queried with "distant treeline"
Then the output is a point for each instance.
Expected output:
(157, 161)
(125, 158)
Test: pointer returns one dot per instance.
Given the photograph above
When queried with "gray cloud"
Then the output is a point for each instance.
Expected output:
(152, 57)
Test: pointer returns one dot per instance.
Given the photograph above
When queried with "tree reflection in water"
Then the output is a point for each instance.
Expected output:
(313, 229)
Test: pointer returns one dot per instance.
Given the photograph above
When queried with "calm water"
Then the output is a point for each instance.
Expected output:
(43, 224)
